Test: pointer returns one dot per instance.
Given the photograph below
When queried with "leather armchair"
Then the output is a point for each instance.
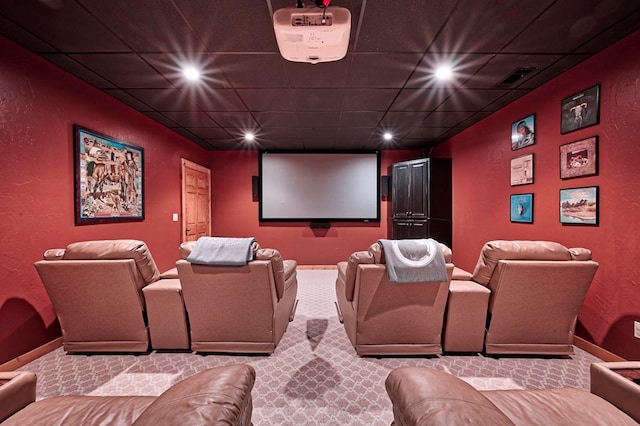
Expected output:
(536, 291)
(383, 318)
(96, 290)
(238, 309)
(219, 395)
(424, 396)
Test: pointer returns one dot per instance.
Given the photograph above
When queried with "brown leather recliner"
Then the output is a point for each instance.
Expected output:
(383, 318)
(536, 291)
(219, 395)
(238, 309)
(424, 396)
(96, 290)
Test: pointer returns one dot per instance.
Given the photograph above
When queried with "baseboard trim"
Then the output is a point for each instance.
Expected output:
(596, 350)
(32, 355)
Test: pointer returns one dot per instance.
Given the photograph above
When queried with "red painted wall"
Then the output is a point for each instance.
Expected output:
(481, 157)
(39, 103)
(234, 213)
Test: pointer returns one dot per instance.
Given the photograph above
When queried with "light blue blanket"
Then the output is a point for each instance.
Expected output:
(411, 261)
(220, 251)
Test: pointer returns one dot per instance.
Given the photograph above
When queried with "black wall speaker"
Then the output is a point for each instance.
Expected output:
(384, 186)
(255, 188)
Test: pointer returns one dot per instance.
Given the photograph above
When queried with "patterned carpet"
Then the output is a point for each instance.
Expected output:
(313, 378)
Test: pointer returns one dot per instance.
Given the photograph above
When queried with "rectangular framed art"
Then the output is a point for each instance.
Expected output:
(580, 110)
(522, 170)
(522, 208)
(523, 132)
(579, 158)
(579, 206)
(108, 179)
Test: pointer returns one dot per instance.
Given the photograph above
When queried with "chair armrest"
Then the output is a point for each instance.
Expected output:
(170, 274)
(17, 390)
(461, 275)
(618, 390)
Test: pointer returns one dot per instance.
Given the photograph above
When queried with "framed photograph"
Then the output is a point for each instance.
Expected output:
(522, 208)
(522, 170)
(579, 206)
(580, 110)
(579, 158)
(523, 132)
(108, 179)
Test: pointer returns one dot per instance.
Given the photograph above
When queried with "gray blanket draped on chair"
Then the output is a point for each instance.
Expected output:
(221, 251)
(410, 261)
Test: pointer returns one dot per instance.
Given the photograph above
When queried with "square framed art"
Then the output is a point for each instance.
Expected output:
(579, 206)
(580, 110)
(522, 208)
(523, 132)
(579, 158)
(522, 170)
(108, 179)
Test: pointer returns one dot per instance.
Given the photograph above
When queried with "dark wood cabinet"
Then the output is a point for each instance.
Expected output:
(420, 199)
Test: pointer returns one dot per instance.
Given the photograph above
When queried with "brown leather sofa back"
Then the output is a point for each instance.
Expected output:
(219, 395)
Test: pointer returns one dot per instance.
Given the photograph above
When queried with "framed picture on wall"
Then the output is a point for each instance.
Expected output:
(522, 208)
(523, 132)
(579, 158)
(522, 170)
(579, 206)
(108, 179)
(580, 110)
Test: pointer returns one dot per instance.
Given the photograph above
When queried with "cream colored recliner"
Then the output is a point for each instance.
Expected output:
(238, 309)
(528, 293)
(383, 318)
(96, 290)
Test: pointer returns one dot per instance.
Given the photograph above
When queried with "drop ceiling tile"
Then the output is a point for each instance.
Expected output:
(561, 65)
(125, 97)
(385, 71)
(68, 64)
(171, 66)
(503, 65)
(276, 119)
(268, 99)
(218, 100)
(426, 132)
(397, 120)
(234, 119)
(281, 132)
(70, 28)
(318, 99)
(160, 118)
(621, 29)
(420, 99)
(346, 144)
(320, 119)
(325, 75)
(253, 71)
(24, 38)
(369, 99)
(463, 66)
(190, 118)
(210, 133)
(361, 118)
(125, 70)
(470, 99)
(355, 132)
(163, 99)
(445, 119)
(146, 25)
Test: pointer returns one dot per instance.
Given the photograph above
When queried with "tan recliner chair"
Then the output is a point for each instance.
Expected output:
(383, 318)
(216, 396)
(238, 309)
(96, 290)
(536, 291)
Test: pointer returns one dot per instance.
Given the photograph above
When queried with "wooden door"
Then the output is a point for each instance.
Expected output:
(196, 201)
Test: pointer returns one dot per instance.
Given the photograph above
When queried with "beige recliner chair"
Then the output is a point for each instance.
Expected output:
(534, 291)
(238, 309)
(384, 318)
(96, 290)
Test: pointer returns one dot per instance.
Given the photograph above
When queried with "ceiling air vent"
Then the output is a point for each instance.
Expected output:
(517, 75)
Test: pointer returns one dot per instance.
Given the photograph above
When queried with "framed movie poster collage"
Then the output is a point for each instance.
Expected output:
(577, 158)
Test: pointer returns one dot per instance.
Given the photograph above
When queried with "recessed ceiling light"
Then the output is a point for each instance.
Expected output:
(443, 72)
(191, 73)
(249, 136)
(387, 136)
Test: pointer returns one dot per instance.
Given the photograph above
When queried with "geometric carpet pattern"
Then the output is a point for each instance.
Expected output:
(314, 377)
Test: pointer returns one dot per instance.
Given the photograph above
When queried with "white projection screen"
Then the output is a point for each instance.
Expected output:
(319, 186)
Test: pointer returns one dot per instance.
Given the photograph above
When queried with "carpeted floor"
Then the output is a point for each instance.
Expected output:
(313, 378)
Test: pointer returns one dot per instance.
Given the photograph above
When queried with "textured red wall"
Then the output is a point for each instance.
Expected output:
(481, 157)
(235, 214)
(39, 103)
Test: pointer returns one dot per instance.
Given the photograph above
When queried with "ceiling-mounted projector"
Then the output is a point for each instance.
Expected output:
(312, 34)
